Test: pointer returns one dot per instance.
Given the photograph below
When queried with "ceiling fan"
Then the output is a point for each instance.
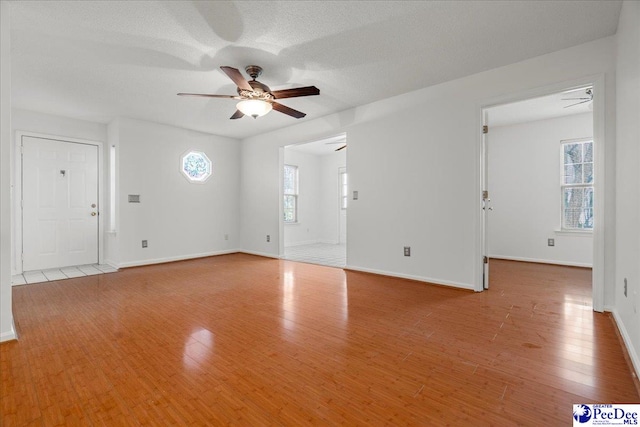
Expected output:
(256, 99)
(588, 98)
(338, 142)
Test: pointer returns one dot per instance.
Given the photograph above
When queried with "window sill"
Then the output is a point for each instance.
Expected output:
(575, 233)
(291, 223)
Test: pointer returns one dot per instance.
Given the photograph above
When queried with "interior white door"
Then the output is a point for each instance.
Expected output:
(486, 201)
(342, 205)
(59, 203)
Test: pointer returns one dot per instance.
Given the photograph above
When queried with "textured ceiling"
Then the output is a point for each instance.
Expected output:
(100, 60)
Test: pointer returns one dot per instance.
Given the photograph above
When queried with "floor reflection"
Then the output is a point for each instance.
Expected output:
(198, 348)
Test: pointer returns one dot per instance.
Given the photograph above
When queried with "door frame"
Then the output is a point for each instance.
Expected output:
(16, 256)
(599, 139)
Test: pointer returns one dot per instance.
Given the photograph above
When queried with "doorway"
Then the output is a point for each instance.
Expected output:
(314, 202)
(60, 203)
(542, 184)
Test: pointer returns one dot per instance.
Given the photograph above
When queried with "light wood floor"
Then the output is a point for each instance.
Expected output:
(244, 340)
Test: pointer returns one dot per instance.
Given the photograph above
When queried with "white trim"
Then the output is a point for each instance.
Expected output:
(542, 261)
(628, 342)
(599, 141)
(262, 254)
(281, 222)
(9, 335)
(573, 233)
(330, 242)
(303, 243)
(16, 267)
(175, 258)
(431, 280)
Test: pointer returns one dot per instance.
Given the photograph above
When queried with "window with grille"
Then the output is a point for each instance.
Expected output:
(290, 207)
(342, 175)
(577, 185)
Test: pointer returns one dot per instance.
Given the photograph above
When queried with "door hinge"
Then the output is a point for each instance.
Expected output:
(485, 129)
(485, 195)
(485, 260)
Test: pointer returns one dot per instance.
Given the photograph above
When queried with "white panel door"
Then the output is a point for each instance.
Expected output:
(342, 199)
(59, 203)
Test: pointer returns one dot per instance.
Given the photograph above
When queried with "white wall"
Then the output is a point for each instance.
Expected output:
(7, 330)
(627, 265)
(307, 229)
(414, 160)
(179, 219)
(31, 121)
(524, 187)
(330, 196)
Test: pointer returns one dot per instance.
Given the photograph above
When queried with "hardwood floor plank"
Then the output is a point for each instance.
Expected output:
(244, 340)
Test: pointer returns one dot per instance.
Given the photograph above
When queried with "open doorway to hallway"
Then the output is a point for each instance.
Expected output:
(314, 202)
(540, 179)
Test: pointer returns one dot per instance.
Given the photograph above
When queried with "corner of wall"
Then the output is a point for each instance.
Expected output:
(7, 328)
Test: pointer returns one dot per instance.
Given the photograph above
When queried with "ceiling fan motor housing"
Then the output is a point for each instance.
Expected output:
(260, 90)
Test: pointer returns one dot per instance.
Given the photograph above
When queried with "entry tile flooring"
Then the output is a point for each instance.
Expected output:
(38, 276)
(318, 253)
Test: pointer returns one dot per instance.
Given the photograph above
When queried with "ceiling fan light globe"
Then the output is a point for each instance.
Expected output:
(254, 107)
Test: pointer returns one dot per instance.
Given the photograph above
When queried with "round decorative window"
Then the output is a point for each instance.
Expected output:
(195, 166)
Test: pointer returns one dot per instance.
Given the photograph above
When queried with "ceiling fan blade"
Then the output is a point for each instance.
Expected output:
(298, 91)
(207, 95)
(577, 103)
(237, 78)
(289, 111)
(237, 115)
(341, 148)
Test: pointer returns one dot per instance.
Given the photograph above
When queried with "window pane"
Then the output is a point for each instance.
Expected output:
(289, 208)
(588, 152)
(587, 170)
(588, 198)
(573, 174)
(290, 179)
(578, 208)
(572, 153)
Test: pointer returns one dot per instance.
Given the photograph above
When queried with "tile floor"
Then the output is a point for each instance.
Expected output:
(318, 253)
(61, 273)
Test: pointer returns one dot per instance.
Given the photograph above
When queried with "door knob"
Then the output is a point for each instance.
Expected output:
(93, 214)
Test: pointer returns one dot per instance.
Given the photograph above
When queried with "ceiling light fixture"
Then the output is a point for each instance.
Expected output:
(254, 107)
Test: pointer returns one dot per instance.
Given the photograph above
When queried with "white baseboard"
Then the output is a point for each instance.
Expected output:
(302, 243)
(633, 354)
(172, 259)
(329, 241)
(542, 261)
(264, 254)
(10, 334)
(412, 277)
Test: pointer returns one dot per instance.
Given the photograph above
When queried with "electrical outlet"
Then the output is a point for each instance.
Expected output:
(268, 237)
(355, 195)
(551, 242)
(144, 244)
(625, 286)
(407, 251)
